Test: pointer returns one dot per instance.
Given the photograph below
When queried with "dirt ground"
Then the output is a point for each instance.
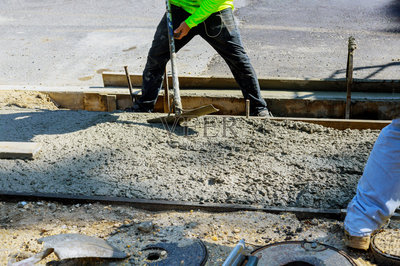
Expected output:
(21, 226)
(26, 99)
(217, 159)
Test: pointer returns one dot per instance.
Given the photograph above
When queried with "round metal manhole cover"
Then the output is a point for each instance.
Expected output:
(292, 253)
(385, 246)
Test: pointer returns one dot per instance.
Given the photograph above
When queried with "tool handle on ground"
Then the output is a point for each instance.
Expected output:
(129, 82)
(175, 81)
(235, 253)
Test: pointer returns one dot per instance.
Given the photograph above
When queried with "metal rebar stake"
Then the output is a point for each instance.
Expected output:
(167, 107)
(129, 84)
(247, 108)
(349, 74)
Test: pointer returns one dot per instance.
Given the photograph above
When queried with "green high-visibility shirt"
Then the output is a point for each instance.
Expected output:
(201, 9)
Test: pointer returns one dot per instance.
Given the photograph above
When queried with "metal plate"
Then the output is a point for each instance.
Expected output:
(186, 115)
(301, 253)
(166, 254)
(69, 246)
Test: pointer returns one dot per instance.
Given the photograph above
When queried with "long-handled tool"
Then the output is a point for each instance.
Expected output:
(237, 256)
(180, 114)
(129, 84)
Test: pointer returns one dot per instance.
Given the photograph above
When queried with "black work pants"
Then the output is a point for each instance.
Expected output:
(221, 32)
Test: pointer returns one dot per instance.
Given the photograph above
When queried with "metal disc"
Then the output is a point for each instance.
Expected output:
(166, 254)
(68, 246)
(301, 253)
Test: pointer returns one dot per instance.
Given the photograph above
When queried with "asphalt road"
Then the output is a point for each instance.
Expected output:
(70, 42)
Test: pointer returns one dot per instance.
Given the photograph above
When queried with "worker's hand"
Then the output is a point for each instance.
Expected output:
(181, 31)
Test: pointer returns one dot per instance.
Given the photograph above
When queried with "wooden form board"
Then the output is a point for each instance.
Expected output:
(112, 79)
(288, 108)
(340, 124)
(19, 150)
(89, 101)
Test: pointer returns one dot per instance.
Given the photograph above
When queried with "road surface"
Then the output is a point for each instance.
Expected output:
(64, 42)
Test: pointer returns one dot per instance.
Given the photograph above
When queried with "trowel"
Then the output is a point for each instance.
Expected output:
(72, 246)
(179, 113)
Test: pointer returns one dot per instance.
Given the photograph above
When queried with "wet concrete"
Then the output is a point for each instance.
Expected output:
(217, 160)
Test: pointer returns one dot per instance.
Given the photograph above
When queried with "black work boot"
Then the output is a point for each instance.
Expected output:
(136, 108)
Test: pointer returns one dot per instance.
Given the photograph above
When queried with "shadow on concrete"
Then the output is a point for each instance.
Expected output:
(174, 129)
(376, 69)
(392, 11)
(30, 123)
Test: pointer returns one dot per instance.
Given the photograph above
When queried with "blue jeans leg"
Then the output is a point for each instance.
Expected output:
(378, 191)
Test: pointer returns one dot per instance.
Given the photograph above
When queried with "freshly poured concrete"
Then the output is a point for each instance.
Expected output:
(222, 160)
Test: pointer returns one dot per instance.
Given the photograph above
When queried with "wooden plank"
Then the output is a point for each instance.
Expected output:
(112, 79)
(378, 111)
(340, 124)
(90, 101)
(69, 100)
(111, 103)
(95, 102)
(19, 150)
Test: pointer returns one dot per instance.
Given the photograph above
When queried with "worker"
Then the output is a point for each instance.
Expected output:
(378, 191)
(213, 20)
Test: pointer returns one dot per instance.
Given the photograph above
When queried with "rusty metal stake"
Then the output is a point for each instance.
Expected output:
(247, 108)
(349, 74)
(129, 83)
(167, 102)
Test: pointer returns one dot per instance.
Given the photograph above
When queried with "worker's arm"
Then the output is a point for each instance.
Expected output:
(206, 8)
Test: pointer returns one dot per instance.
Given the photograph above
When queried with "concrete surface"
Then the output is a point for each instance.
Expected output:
(90, 153)
(64, 42)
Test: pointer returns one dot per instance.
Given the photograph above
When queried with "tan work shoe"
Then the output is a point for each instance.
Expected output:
(358, 242)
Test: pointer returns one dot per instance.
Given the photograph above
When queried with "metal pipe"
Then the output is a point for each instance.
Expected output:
(175, 81)
(349, 74)
(239, 260)
(252, 261)
(235, 253)
(247, 108)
